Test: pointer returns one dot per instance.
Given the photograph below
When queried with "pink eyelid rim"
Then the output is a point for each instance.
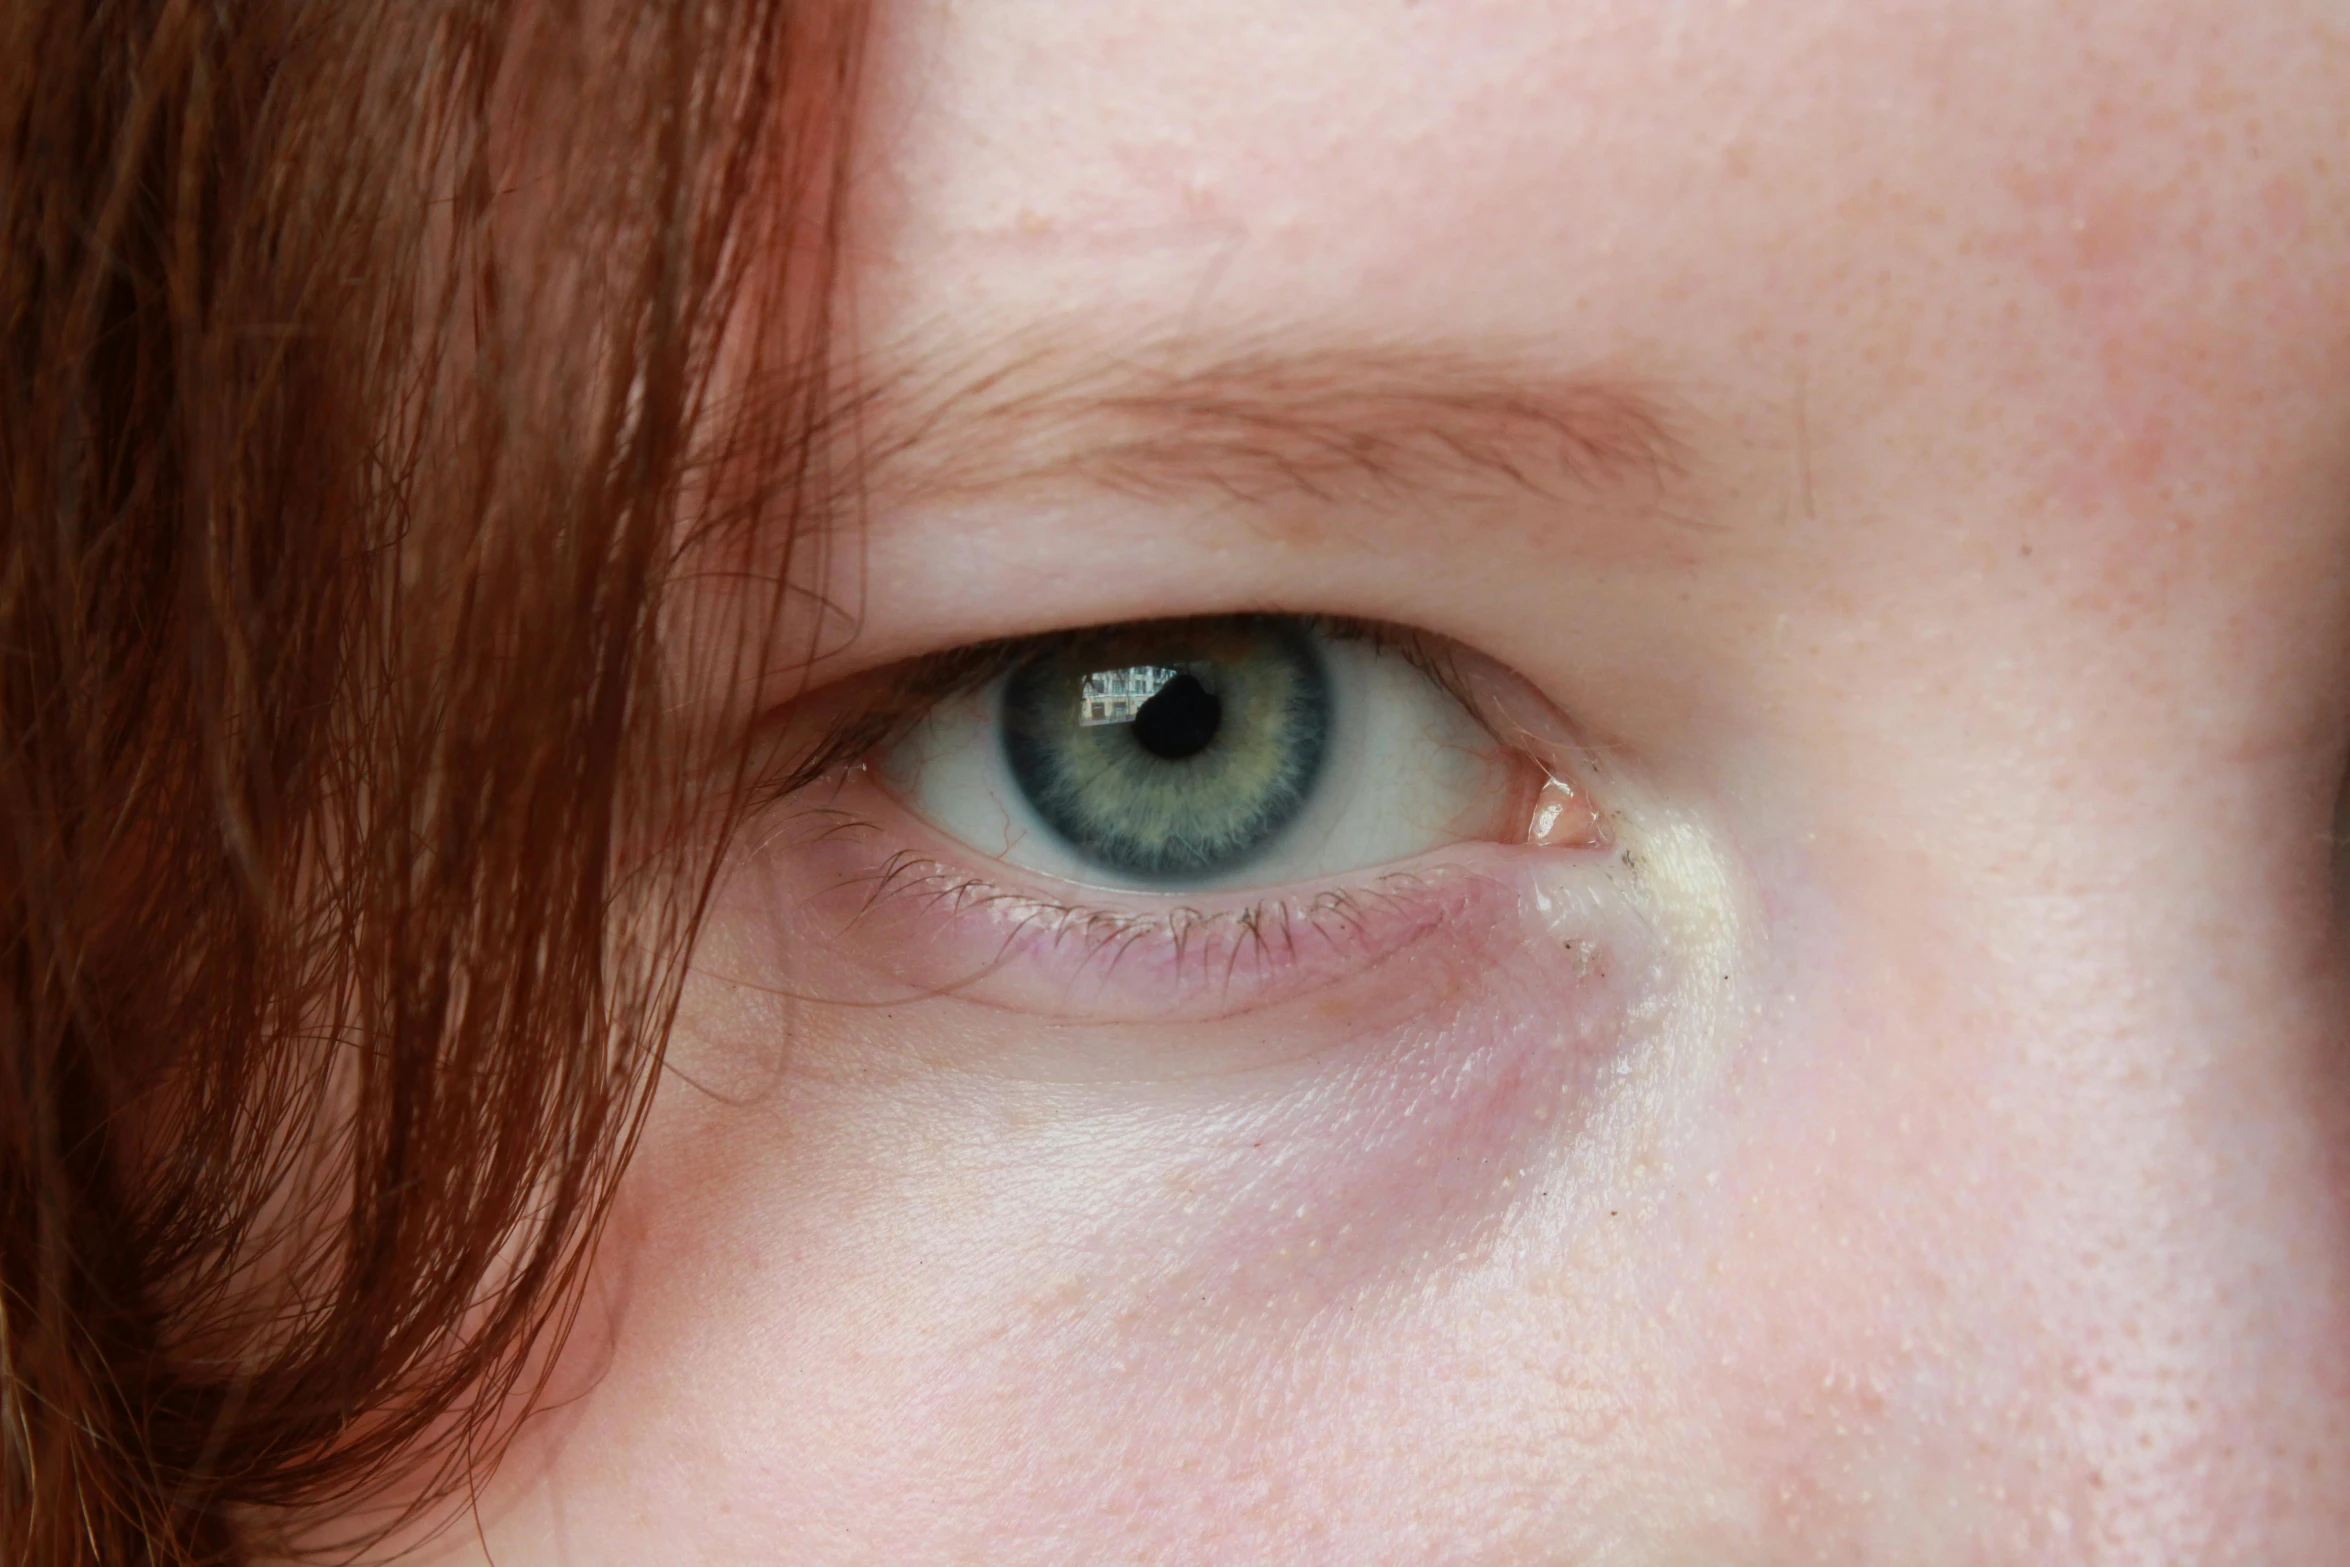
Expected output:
(1555, 811)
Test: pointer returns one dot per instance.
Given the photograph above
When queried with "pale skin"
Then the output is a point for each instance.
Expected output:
(1928, 1146)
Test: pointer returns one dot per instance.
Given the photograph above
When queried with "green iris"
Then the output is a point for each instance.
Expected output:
(1170, 752)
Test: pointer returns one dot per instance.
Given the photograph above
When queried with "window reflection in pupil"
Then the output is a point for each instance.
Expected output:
(1180, 721)
(1111, 696)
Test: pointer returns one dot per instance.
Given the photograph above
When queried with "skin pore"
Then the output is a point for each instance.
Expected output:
(1896, 461)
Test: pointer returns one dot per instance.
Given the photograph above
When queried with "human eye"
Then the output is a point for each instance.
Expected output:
(1186, 816)
(1206, 755)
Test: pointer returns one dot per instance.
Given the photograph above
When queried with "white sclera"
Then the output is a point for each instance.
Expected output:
(1408, 770)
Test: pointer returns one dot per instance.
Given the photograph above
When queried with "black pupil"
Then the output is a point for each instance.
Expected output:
(1180, 720)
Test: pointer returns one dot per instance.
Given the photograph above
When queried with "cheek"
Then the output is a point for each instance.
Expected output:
(900, 1288)
(1975, 1270)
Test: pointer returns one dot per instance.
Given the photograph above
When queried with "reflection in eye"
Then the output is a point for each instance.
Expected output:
(1114, 696)
(1234, 751)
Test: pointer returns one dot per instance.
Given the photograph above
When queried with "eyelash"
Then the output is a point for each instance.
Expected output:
(1099, 931)
(1188, 957)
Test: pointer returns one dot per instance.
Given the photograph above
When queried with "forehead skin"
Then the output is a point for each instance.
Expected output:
(2083, 264)
(1992, 622)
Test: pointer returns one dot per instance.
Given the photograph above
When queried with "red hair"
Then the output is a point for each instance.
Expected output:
(356, 420)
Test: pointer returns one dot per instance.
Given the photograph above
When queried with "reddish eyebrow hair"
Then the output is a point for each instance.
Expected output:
(1357, 426)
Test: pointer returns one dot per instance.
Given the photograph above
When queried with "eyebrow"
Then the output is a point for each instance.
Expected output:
(1262, 425)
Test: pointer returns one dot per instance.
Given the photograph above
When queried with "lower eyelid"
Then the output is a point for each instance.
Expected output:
(856, 877)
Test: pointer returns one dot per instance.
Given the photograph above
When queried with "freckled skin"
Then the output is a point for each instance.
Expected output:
(1934, 1152)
